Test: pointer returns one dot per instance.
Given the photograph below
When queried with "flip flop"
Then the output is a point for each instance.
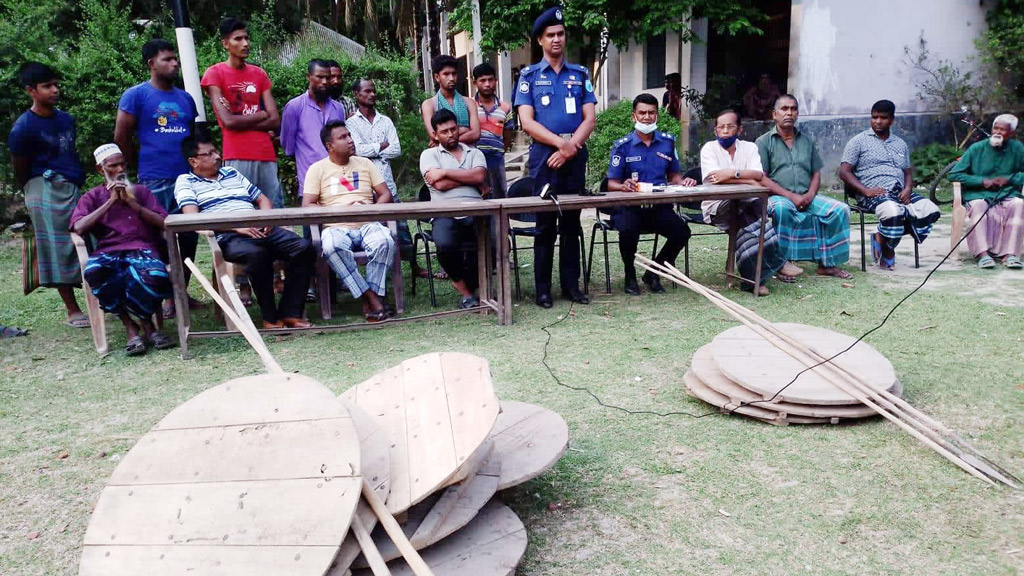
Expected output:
(11, 332)
(161, 341)
(469, 302)
(1013, 263)
(887, 263)
(785, 279)
(876, 248)
(986, 261)
(375, 316)
(136, 347)
(78, 321)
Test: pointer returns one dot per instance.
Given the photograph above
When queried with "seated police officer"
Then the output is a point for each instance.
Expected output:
(649, 157)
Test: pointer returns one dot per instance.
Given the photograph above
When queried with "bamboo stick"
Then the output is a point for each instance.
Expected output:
(841, 380)
(412, 557)
(370, 551)
(254, 339)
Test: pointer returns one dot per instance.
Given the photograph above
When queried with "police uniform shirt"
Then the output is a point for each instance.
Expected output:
(557, 98)
(652, 163)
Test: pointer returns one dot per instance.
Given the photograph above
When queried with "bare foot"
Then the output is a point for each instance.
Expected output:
(835, 272)
(762, 290)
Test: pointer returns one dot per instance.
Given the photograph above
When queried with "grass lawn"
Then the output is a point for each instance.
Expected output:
(634, 494)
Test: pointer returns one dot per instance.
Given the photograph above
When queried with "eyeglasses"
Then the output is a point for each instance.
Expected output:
(727, 126)
(211, 153)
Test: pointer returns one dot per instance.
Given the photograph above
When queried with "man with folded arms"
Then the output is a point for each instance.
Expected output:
(210, 187)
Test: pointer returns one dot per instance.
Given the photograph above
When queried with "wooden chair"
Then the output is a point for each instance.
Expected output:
(97, 317)
(324, 274)
(960, 222)
(220, 268)
(851, 200)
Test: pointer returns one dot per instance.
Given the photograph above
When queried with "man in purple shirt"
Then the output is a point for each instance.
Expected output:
(125, 272)
(305, 115)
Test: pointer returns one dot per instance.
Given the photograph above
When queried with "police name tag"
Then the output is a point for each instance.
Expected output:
(542, 83)
(570, 105)
(633, 158)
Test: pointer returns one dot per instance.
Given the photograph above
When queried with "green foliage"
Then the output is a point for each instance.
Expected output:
(613, 123)
(929, 160)
(970, 87)
(1003, 42)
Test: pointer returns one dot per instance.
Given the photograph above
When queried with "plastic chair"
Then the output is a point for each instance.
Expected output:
(605, 225)
(851, 199)
(424, 234)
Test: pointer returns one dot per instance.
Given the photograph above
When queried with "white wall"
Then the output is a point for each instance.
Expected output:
(845, 55)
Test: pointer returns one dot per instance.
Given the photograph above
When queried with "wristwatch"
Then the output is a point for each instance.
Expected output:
(737, 175)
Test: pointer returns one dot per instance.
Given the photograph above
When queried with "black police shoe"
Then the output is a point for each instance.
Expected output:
(545, 301)
(576, 296)
(653, 282)
(632, 288)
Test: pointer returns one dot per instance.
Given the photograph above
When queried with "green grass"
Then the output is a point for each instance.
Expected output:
(634, 494)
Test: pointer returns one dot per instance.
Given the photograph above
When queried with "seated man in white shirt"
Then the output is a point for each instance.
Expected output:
(729, 160)
(455, 171)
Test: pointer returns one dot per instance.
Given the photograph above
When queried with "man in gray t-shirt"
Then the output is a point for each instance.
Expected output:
(454, 171)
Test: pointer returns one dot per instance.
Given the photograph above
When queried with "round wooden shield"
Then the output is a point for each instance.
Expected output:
(703, 366)
(437, 409)
(492, 544)
(258, 475)
(701, 391)
(757, 365)
(528, 440)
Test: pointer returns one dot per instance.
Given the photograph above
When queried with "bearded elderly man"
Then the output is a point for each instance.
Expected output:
(992, 173)
(810, 226)
(126, 272)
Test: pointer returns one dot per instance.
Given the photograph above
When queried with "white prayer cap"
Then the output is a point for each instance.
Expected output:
(105, 151)
(1008, 119)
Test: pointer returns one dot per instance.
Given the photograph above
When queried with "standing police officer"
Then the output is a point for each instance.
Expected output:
(557, 109)
(646, 156)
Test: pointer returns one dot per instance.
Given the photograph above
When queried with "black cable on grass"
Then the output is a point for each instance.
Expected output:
(544, 359)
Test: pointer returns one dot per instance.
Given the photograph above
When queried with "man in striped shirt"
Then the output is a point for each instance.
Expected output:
(493, 115)
(209, 187)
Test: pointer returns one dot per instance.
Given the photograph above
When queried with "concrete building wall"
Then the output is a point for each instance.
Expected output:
(845, 55)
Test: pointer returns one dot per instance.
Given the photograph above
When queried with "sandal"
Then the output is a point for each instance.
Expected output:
(441, 275)
(11, 332)
(161, 341)
(986, 261)
(784, 279)
(469, 302)
(78, 321)
(876, 248)
(887, 263)
(1013, 263)
(375, 316)
(136, 347)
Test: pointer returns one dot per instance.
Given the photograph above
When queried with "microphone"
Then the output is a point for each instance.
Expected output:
(546, 193)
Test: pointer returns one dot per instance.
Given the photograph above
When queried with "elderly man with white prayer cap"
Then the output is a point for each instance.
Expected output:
(992, 173)
(126, 272)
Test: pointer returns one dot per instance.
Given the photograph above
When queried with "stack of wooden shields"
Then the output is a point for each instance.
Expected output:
(274, 474)
(741, 372)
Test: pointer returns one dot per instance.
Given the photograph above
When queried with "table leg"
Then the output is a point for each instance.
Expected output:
(181, 310)
(730, 258)
(760, 245)
(483, 256)
(504, 274)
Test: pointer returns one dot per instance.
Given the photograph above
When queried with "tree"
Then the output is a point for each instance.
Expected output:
(599, 23)
(1003, 43)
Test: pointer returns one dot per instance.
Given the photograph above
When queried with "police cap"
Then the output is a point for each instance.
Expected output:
(551, 17)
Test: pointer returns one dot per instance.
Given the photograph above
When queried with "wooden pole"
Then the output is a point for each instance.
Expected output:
(370, 551)
(412, 557)
(254, 340)
(797, 350)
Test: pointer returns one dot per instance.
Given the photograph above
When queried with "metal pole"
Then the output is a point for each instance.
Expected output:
(187, 55)
(478, 56)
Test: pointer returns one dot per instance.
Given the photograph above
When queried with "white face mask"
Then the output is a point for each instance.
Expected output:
(995, 140)
(645, 128)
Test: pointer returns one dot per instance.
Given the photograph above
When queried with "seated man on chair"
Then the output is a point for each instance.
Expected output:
(343, 179)
(810, 226)
(646, 156)
(454, 171)
(992, 173)
(729, 160)
(876, 164)
(209, 187)
(125, 272)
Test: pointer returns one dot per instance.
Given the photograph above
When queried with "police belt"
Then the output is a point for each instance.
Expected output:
(565, 136)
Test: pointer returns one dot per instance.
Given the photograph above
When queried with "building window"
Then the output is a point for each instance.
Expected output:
(654, 57)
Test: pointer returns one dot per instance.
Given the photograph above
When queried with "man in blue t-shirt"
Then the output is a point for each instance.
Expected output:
(160, 115)
(46, 167)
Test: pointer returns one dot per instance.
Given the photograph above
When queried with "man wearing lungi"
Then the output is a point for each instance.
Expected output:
(728, 160)
(810, 226)
(992, 173)
(126, 271)
(876, 164)
(46, 167)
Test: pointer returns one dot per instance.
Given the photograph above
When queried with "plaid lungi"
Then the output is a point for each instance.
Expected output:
(375, 239)
(50, 203)
(1000, 232)
(130, 281)
(819, 233)
(896, 218)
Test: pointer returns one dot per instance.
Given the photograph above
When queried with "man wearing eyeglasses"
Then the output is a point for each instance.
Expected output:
(210, 187)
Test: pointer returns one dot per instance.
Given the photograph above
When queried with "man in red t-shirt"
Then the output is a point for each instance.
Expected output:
(246, 111)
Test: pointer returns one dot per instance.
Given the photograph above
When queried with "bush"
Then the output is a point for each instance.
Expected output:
(613, 123)
(929, 160)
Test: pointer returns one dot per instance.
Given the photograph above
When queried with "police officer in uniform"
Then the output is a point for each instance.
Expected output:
(646, 156)
(557, 109)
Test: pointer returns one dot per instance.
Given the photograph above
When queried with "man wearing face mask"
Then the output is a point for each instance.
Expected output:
(650, 156)
(125, 272)
(992, 173)
(729, 160)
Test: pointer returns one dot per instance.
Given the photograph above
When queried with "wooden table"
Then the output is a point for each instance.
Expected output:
(490, 299)
(667, 194)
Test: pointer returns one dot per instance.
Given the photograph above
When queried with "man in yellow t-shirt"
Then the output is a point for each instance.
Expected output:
(343, 179)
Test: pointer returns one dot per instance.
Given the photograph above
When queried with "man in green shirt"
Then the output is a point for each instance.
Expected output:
(810, 227)
(992, 173)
